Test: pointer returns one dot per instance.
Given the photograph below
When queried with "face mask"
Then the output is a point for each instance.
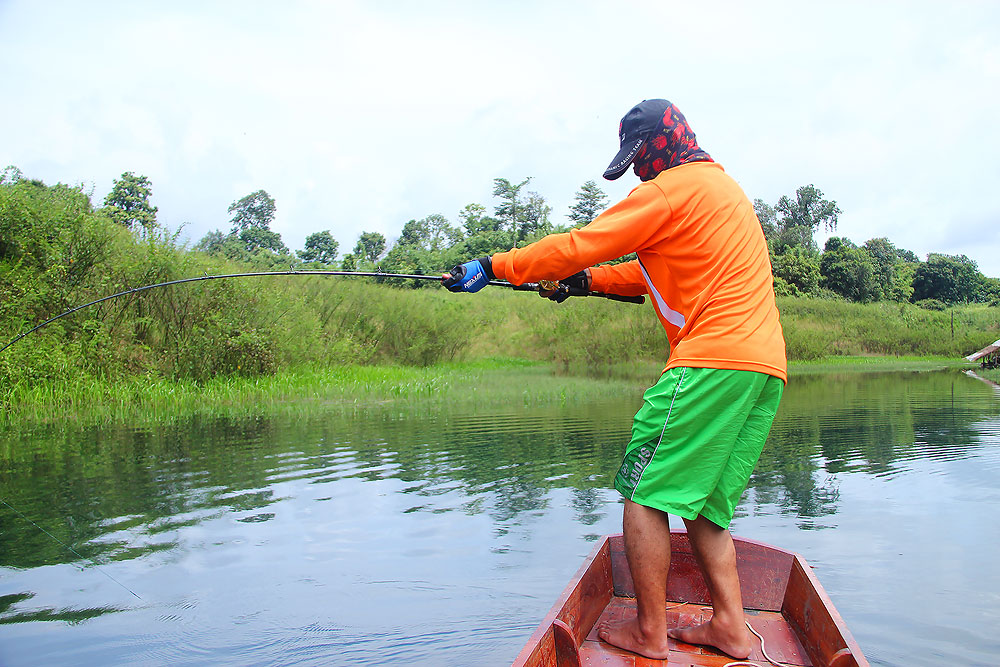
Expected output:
(671, 144)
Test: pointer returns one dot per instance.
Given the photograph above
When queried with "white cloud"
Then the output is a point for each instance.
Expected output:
(359, 116)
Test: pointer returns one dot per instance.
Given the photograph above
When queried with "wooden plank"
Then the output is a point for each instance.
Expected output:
(590, 595)
(621, 576)
(780, 640)
(581, 603)
(567, 646)
(540, 651)
(763, 572)
(779, 636)
(813, 617)
(802, 629)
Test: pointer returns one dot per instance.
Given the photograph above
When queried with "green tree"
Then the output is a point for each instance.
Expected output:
(792, 223)
(424, 247)
(10, 175)
(441, 234)
(590, 202)
(768, 219)
(252, 218)
(884, 258)
(486, 243)
(806, 213)
(848, 270)
(255, 239)
(414, 234)
(534, 222)
(370, 246)
(320, 247)
(474, 220)
(433, 233)
(257, 209)
(403, 258)
(128, 202)
(510, 210)
(989, 291)
(484, 234)
(212, 243)
(902, 285)
(796, 272)
(947, 278)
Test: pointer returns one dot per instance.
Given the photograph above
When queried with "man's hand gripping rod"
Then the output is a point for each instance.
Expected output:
(556, 286)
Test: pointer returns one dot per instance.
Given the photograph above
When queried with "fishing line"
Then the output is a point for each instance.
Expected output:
(71, 550)
(530, 287)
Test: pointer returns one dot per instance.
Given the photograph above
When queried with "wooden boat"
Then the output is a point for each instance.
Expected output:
(785, 605)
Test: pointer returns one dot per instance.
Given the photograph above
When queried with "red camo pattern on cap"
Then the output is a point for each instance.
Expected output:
(672, 145)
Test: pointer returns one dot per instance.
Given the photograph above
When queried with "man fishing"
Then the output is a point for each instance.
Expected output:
(703, 259)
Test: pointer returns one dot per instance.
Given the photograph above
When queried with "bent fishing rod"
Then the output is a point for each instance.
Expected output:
(543, 285)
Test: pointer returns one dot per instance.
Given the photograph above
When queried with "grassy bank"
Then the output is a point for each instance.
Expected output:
(993, 375)
(337, 341)
(483, 382)
(820, 328)
(58, 252)
(863, 364)
(260, 326)
(149, 400)
(213, 338)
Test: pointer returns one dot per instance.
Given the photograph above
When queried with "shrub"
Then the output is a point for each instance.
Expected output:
(932, 304)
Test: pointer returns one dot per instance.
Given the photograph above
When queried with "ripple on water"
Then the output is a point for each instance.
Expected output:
(442, 538)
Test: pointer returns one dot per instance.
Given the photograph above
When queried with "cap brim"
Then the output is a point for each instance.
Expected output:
(623, 159)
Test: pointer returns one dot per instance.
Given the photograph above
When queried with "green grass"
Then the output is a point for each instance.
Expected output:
(234, 344)
(873, 363)
(820, 328)
(484, 381)
(148, 400)
(993, 374)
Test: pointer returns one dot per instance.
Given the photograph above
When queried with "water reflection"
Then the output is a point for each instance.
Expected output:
(325, 503)
(115, 493)
(71, 616)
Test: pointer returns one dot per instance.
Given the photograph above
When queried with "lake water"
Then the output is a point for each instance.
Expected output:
(421, 535)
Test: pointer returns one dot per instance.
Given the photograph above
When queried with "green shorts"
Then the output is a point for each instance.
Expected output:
(696, 440)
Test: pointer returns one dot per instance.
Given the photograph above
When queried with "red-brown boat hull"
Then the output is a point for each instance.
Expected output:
(784, 601)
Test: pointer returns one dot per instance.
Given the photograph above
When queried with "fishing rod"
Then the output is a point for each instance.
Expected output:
(543, 285)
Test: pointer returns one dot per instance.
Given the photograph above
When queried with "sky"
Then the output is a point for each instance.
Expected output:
(360, 116)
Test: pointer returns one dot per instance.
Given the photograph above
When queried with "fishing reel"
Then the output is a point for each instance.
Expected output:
(557, 291)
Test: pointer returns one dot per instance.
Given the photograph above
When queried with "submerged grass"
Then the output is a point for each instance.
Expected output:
(144, 401)
(147, 400)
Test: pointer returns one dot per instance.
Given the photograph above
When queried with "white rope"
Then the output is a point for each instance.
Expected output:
(746, 663)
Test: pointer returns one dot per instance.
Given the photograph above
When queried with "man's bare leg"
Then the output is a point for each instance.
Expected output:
(716, 555)
(647, 549)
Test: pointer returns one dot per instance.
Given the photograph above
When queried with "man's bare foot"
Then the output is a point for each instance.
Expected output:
(627, 635)
(732, 639)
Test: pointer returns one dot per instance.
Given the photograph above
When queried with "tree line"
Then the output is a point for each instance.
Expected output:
(427, 245)
(877, 270)
(60, 249)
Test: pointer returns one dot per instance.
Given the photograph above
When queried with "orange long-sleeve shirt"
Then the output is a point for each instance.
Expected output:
(702, 258)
